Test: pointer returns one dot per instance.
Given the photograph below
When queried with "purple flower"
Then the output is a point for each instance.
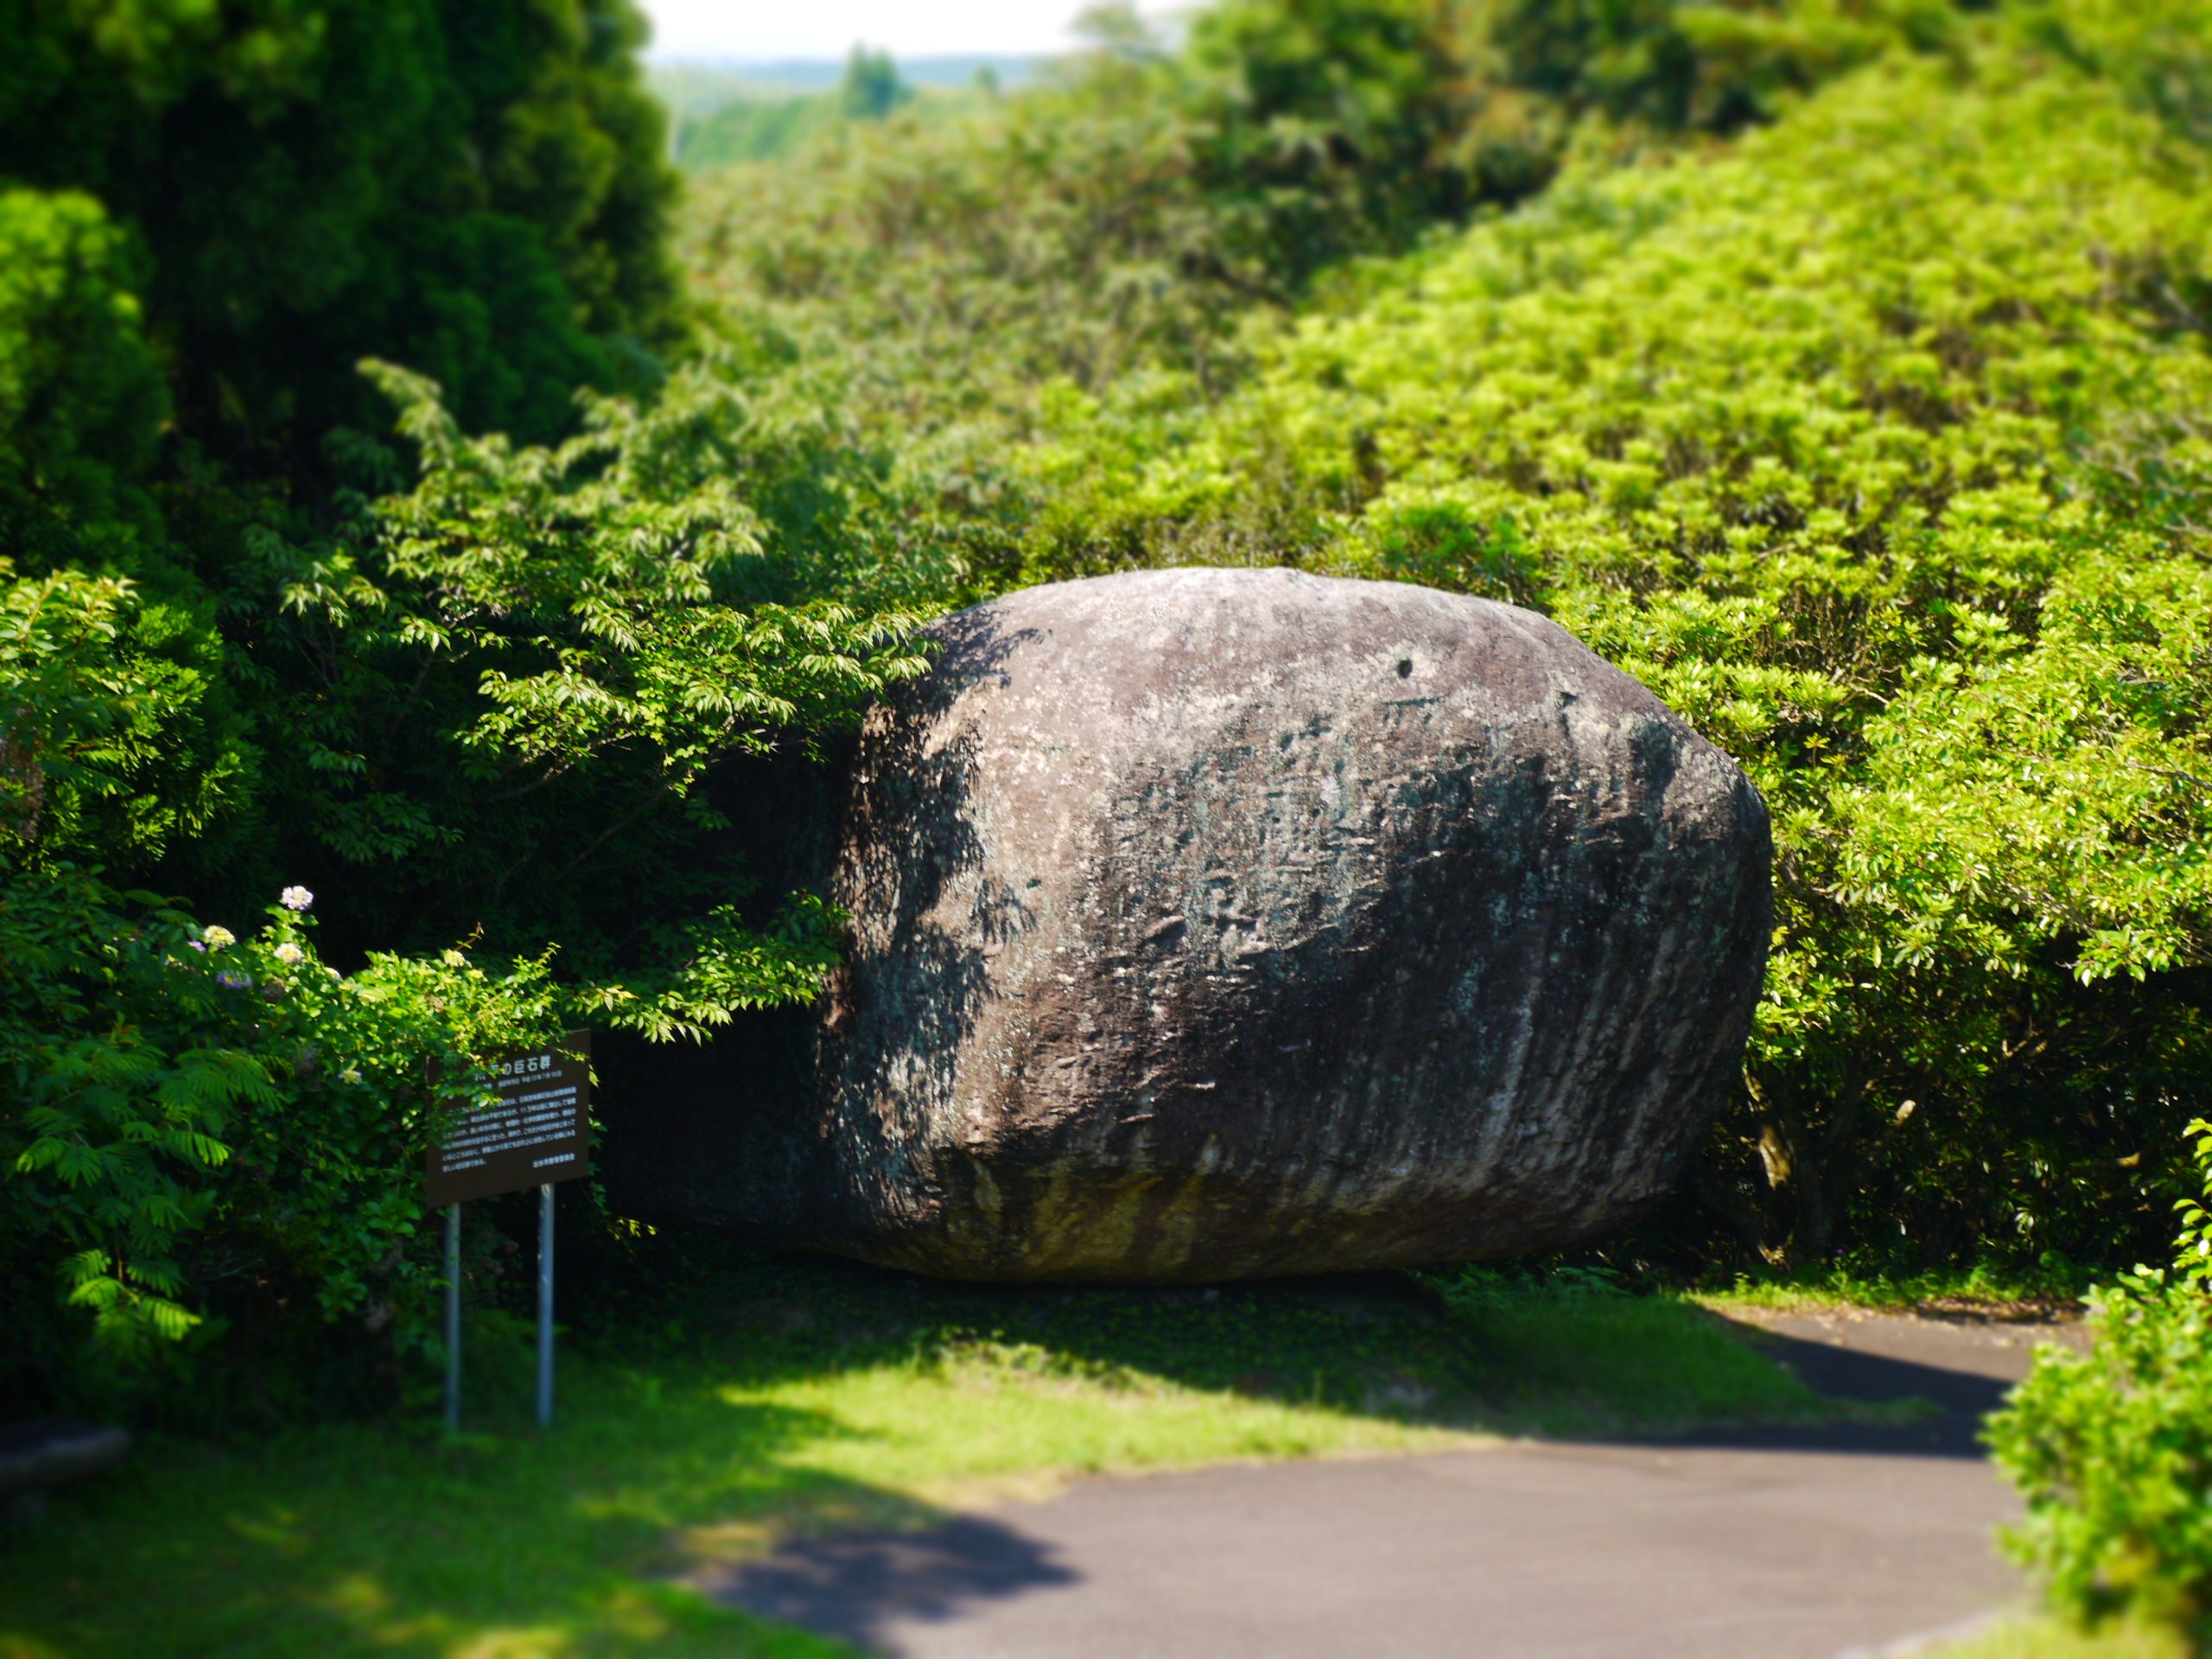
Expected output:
(234, 981)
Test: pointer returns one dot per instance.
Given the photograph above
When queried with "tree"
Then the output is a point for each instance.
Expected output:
(871, 88)
(81, 396)
(477, 189)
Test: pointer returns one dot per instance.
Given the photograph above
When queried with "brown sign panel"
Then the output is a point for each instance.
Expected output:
(540, 1131)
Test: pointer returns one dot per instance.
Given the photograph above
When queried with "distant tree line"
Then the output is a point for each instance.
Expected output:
(761, 126)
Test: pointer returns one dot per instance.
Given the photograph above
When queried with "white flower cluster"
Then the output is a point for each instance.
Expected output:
(296, 898)
(289, 954)
(219, 936)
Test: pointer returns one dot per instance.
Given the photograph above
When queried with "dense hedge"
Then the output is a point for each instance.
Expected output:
(1869, 446)
(2112, 1448)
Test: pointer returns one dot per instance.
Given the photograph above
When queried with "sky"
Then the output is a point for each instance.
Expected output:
(830, 29)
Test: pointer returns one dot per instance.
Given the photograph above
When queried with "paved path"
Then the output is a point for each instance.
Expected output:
(1767, 1543)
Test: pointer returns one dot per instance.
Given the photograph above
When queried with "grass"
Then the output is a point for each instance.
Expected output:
(783, 1397)
(2049, 1638)
(1999, 1293)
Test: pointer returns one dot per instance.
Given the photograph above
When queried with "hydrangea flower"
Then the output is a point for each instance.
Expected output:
(219, 936)
(454, 959)
(231, 981)
(350, 1074)
(289, 954)
(296, 898)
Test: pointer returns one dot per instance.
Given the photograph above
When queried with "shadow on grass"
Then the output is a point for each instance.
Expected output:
(778, 1435)
(1946, 1405)
(1483, 1353)
(349, 1539)
(1512, 1356)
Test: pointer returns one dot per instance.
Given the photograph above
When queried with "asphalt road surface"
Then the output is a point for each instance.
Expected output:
(1768, 1543)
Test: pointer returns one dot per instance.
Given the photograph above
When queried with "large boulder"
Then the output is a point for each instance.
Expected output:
(1213, 924)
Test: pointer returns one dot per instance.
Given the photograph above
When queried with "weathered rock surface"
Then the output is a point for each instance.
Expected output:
(1211, 924)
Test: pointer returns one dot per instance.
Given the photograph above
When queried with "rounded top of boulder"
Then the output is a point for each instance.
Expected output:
(1106, 647)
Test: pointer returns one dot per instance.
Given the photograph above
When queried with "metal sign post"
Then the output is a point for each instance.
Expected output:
(545, 1306)
(537, 1132)
(452, 1319)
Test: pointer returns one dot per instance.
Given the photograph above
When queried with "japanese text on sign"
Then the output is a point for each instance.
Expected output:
(538, 1131)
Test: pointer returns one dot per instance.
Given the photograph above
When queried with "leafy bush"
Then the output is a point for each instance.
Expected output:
(524, 669)
(1325, 128)
(198, 1129)
(1138, 214)
(185, 1113)
(1705, 65)
(2113, 1449)
(953, 280)
(196, 1122)
(1841, 440)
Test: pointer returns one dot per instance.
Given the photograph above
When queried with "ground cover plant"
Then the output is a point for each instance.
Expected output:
(698, 1433)
(2113, 1449)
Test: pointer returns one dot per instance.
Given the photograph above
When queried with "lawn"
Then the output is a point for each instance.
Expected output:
(2055, 1292)
(788, 1396)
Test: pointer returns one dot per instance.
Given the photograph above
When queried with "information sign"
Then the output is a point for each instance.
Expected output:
(538, 1132)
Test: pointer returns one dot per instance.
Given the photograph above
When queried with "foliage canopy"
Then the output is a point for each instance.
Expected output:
(1846, 442)
(1835, 367)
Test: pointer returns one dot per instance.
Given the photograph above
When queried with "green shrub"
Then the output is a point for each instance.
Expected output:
(187, 1117)
(516, 677)
(203, 1130)
(2113, 1449)
(1141, 211)
(1862, 442)
(1709, 65)
(181, 1107)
